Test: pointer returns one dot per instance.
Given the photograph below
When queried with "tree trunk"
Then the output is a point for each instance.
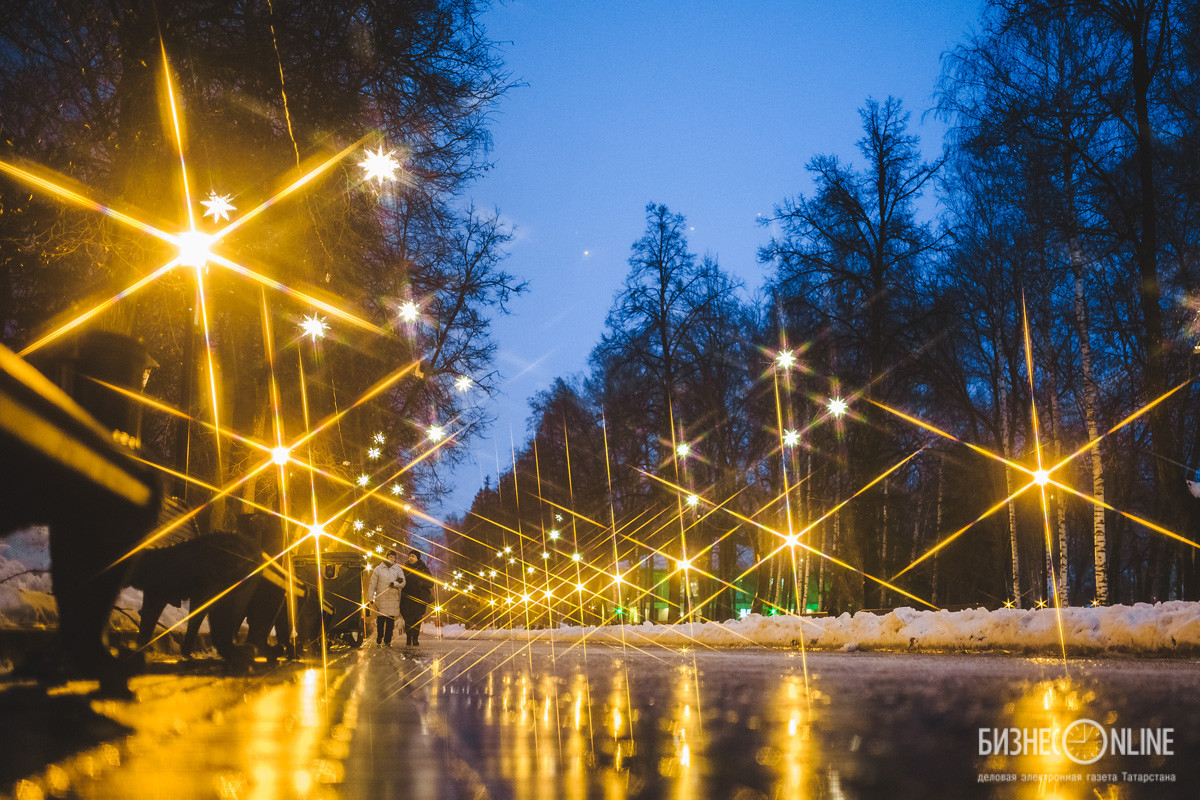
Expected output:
(1090, 404)
(1059, 506)
(1006, 447)
(937, 530)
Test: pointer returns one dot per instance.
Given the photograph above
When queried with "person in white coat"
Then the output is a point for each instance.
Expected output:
(387, 580)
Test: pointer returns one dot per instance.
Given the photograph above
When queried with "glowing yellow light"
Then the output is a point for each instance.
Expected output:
(363, 480)
(435, 433)
(491, 573)
(316, 530)
(1041, 477)
(1041, 603)
(512, 561)
(314, 327)
(530, 569)
(437, 609)
(380, 166)
(553, 534)
(791, 438)
(524, 598)
(378, 438)
(576, 557)
(685, 563)
(358, 525)
(217, 206)
(792, 540)
(693, 500)
(785, 360)
(409, 311)
(463, 383)
(579, 587)
(194, 248)
(837, 406)
(397, 489)
(1008, 603)
(373, 452)
(280, 455)
(545, 554)
(683, 450)
(507, 549)
(378, 548)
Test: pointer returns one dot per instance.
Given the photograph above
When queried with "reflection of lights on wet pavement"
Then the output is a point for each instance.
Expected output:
(481, 717)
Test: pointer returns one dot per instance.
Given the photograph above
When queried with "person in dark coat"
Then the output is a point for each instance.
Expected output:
(414, 599)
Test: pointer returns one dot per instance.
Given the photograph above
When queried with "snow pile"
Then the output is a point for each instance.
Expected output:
(25, 599)
(1172, 627)
(26, 596)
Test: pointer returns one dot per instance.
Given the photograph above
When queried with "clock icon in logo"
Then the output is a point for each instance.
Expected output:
(1084, 741)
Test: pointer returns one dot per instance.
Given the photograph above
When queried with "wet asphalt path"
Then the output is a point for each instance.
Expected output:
(506, 719)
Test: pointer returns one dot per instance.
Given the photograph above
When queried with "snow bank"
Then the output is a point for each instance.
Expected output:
(1163, 628)
(26, 597)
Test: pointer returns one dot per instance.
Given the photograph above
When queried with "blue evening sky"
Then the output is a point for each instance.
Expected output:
(712, 108)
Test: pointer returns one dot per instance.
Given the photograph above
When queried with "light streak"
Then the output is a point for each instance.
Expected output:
(99, 308)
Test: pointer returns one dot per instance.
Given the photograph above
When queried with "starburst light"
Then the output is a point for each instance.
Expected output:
(195, 249)
(218, 207)
(409, 311)
(314, 327)
(380, 166)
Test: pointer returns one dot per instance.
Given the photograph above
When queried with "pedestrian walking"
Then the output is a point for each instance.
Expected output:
(414, 599)
(387, 582)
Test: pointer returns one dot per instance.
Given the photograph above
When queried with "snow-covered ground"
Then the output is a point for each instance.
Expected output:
(1162, 628)
(26, 599)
